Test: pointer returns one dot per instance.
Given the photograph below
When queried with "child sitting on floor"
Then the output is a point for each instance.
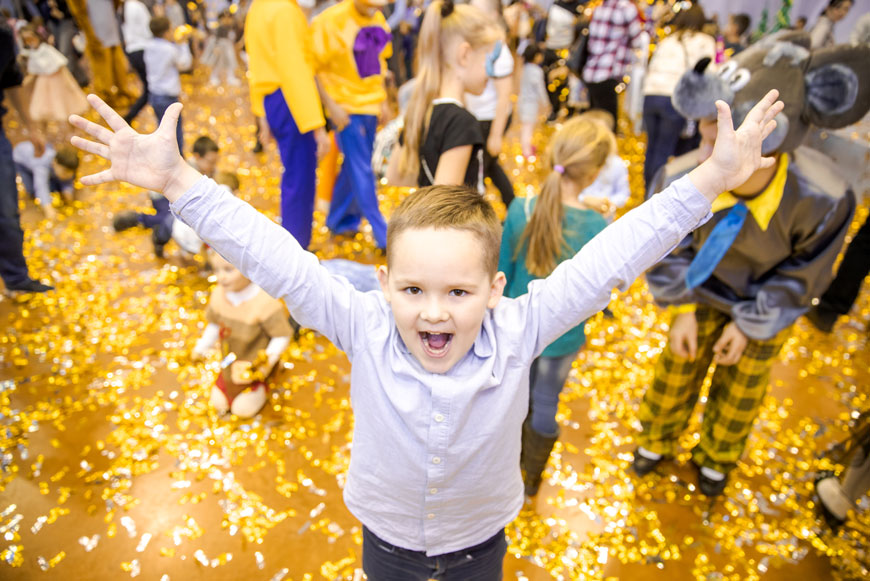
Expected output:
(251, 326)
(440, 362)
(53, 171)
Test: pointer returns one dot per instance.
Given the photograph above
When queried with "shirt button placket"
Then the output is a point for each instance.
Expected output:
(437, 448)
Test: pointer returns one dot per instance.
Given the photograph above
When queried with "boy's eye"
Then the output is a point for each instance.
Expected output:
(413, 290)
(458, 292)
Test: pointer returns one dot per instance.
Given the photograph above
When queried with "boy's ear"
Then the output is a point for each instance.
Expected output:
(383, 279)
(496, 290)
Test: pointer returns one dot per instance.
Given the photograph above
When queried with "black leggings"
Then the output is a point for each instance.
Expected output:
(491, 167)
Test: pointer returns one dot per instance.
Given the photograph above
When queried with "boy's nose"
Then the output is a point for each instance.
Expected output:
(434, 312)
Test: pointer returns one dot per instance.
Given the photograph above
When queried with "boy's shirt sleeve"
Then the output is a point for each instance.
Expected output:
(580, 287)
(788, 292)
(270, 257)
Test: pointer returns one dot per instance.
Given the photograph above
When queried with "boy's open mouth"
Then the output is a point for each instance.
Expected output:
(436, 344)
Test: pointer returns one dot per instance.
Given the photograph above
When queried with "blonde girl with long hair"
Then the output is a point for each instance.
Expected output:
(441, 142)
(539, 233)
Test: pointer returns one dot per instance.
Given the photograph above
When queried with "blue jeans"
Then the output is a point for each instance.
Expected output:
(663, 127)
(161, 103)
(354, 194)
(299, 158)
(13, 268)
(160, 222)
(546, 379)
(385, 562)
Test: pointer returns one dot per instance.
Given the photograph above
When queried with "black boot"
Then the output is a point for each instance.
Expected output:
(534, 455)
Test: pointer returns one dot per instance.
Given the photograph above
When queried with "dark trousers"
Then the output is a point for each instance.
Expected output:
(557, 89)
(492, 169)
(161, 103)
(844, 289)
(160, 222)
(299, 158)
(13, 268)
(354, 194)
(603, 96)
(137, 61)
(663, 127)
(64, 31)
(385, 562)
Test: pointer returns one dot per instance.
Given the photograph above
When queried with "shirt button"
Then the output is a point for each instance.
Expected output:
(436, 460)
(430, 516)
(433, 491)
(439, 418)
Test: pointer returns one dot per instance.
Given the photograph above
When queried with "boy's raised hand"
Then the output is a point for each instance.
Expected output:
(737, 154)
(149, 161)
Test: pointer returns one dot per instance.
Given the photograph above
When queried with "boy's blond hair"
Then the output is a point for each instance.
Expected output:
(443, 207)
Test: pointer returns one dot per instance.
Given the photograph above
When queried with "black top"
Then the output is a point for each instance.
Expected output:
(10, 74)
(451, 126)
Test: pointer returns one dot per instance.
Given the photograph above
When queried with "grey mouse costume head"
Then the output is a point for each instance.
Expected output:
(829, 87)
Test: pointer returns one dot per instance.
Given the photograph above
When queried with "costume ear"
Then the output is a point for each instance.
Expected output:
(838, 86)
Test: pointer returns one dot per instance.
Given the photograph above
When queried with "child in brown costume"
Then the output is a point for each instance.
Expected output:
(253, 329)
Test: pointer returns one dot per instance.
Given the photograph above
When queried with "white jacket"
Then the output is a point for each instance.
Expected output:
(673, 56)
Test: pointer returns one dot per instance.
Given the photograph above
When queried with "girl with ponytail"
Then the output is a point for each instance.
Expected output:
(539, 233)
(441, 141)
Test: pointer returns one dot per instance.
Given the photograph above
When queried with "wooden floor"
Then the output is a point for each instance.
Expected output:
(113, 465)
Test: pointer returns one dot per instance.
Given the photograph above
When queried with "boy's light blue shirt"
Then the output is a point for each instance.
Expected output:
(435, 462)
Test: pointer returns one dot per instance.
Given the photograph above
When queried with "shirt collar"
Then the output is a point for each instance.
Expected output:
(764, 205)
(244, 295)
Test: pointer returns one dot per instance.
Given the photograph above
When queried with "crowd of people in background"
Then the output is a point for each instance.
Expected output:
(332, 76)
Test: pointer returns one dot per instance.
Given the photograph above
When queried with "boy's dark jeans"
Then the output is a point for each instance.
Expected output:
(385, 562)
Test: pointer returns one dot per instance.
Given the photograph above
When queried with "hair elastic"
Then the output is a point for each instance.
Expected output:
(447, 8)
(559, 169)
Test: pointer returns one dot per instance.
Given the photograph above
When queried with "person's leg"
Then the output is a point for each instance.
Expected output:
(550, 377)
(482, 562)
(137, 61)
(13, 267)
(856, 481)
(844, 289)
(161, 103)
(344, 216)
(357, 141)
(385, 562)
(26, 179)
(663, 132)
(493, 170)
(299, 158)
(668, 403)
(249, 403)
(736, 394)
(540, 431)
(603, 96)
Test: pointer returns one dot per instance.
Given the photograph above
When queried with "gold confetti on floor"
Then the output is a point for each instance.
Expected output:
(112, 464)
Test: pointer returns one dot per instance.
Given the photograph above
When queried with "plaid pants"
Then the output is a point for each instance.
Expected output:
(736, 393)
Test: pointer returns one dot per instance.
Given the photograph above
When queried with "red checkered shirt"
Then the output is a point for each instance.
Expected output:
(614, 29)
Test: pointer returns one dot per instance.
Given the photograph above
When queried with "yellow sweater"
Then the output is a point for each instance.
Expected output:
(278, 42)
(350, 52)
